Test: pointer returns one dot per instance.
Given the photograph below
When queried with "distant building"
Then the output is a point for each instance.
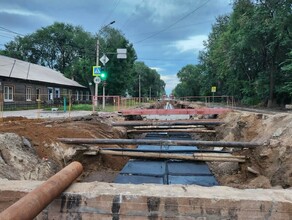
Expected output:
(23, 84)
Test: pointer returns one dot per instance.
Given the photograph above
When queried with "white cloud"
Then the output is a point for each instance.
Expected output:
(193, 43)
(25, 13)
(171, 81)
(158, 69)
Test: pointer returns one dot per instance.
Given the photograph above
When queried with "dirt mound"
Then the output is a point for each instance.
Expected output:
(43, 134)
(268, 165)
(19, 161)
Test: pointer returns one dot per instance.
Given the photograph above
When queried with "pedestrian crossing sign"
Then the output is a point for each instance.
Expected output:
(96, 70)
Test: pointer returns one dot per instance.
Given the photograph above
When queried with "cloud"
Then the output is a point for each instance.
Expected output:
(25, 13)
(160, 10)
(193, 43)
(171, 81)
(158, 69)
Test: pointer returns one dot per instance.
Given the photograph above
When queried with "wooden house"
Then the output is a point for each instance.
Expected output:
(23, 84)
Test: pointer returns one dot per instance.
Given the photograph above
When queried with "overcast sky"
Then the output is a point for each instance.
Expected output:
(166, 34)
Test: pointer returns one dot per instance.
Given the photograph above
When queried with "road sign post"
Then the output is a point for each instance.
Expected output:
(213, 90)
(96, 80)
(104, 59)
(122, 53)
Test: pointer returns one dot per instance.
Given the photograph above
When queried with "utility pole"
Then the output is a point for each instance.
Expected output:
(139, 88)
(150, 92)
(97, 64)
(103, 95)
(96, 84)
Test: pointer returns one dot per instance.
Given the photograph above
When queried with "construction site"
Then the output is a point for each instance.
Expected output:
(166, 160)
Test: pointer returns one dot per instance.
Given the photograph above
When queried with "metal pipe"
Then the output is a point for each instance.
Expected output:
(199, 157)
(184, 130)
(29, 206)
(160, 142)
(168, 123)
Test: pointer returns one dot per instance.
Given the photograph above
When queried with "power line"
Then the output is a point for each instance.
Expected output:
(10, 31)
(111, 13)
(163, 59)
(130, 17)
(173, 28)
(177, 21)
(10, 37)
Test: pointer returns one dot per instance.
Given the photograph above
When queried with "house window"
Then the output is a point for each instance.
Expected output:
(57, 92)
(50, 93)
(81, 95)
(28, 93)
(38, 94)
(77, 95)
(8, 93)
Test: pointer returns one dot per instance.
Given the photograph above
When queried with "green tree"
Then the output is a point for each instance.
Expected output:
(190, 78)
(150, 82)
(120, 71)
(246, 54)
(72, 51)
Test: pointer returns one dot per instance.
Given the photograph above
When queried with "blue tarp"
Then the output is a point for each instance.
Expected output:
(138, 171)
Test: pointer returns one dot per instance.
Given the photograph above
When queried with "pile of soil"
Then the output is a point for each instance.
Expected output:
(268, 165)
(42, 135)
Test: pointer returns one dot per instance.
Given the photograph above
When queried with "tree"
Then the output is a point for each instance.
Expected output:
(72, 51)
(190, 84)
(120, 71)
(150, 82)
(246, 54)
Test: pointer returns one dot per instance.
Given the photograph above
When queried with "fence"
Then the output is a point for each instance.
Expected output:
(71, 102)
(211, 101)
(100, 103)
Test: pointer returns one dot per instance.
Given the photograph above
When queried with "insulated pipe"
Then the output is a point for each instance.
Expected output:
(29, 206)
(161, 142)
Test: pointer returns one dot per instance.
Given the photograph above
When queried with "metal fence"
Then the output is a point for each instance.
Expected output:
(211, 101)
(72, 102)
(100, 103)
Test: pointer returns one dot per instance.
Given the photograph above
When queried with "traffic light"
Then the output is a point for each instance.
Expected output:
(103, 74)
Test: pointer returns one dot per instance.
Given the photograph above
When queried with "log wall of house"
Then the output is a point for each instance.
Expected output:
(20, 95)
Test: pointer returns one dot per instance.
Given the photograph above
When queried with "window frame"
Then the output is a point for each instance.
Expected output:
(38, 94)
(10, 90)
(28, 93)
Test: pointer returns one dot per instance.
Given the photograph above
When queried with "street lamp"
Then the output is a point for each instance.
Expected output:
(139, 88)
(97, 63)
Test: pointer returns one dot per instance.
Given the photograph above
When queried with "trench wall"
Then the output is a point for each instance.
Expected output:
(98, 200)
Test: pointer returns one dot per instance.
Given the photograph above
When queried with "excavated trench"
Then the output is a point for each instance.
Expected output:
(39, 154)
(31, 151)
(266, 166)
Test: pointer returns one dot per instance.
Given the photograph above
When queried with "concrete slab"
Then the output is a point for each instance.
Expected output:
(97, 200)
